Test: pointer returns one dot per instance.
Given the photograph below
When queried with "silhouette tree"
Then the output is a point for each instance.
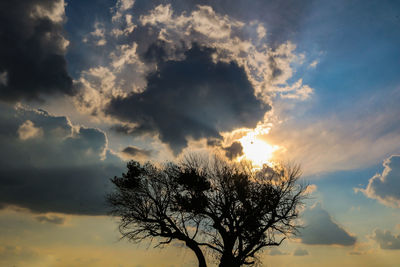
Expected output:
(209, 204)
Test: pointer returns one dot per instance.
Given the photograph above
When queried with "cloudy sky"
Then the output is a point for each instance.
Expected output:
(87, 85)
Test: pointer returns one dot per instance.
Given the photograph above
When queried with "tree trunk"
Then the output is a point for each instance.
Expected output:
(199, 254)
(228, 261)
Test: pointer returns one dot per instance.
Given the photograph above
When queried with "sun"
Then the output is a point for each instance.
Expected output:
(256, 150)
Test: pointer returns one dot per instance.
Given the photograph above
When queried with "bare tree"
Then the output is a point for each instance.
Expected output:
(229, 208)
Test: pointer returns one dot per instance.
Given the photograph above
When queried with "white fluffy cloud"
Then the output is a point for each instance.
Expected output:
(98, 85)
(385, 186)
(27, 130)
(121, 7)
(54, 12)
(268, 69)
(97, 36)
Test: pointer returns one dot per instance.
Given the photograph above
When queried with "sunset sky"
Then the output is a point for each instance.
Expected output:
(86, 86)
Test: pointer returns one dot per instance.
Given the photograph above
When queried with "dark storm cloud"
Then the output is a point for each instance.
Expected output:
(234, 150)
(73, 190)
(125, 129)
(49, 165)
(194, 97)
(156, 52)
(122, 129)
(133, 151)
(32, 50)
(386, 239)
(320, 229)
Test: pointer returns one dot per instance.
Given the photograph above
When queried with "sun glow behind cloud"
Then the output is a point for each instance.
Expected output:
(256, 150)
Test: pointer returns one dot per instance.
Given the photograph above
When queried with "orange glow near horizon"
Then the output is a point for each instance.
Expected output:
(257, 151)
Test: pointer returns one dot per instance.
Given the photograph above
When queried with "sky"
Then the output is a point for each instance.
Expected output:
(86, 86)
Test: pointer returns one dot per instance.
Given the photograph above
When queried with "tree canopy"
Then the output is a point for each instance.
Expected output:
(228, 208)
